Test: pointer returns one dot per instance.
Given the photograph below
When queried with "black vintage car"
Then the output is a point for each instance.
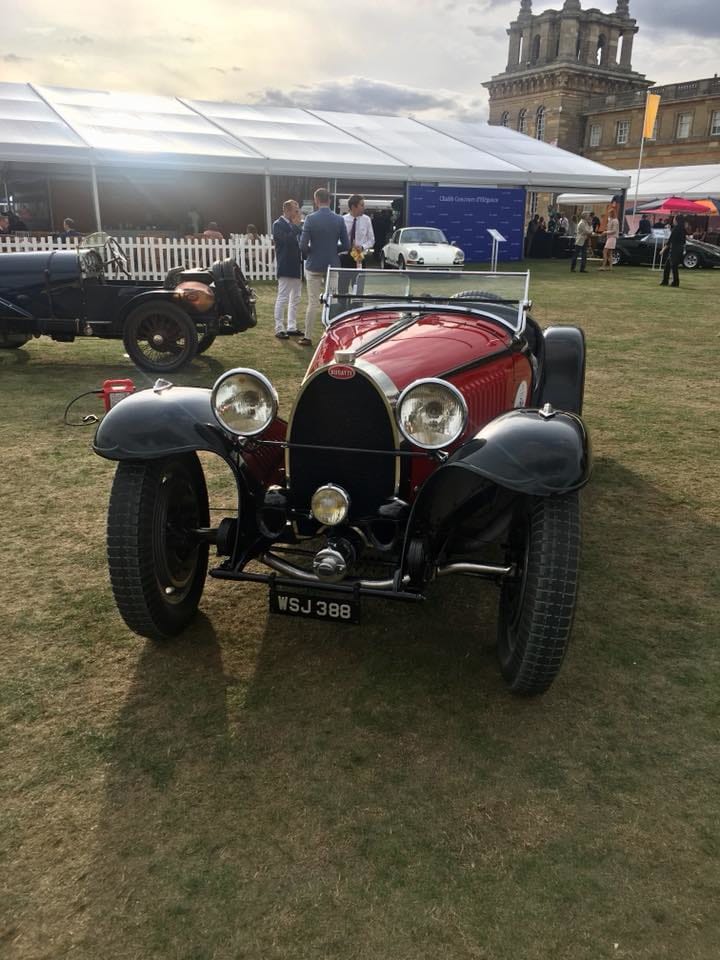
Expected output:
(437, 432)
(640, 250)
(64, 294)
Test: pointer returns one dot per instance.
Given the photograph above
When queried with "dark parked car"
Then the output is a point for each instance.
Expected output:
(65, 294)
(640, 250)
(437, 432)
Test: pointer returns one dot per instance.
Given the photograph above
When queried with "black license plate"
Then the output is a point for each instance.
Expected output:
(331, 608)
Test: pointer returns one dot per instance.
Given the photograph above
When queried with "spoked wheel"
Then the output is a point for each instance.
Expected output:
(157, 565)
(538, 605)
(160, 337)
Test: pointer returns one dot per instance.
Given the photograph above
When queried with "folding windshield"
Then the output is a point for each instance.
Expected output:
(504, 294)
(422, 235)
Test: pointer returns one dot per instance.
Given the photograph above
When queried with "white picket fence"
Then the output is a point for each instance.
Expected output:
(150, 258)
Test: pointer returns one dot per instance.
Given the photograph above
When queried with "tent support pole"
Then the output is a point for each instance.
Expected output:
(96, 199)
(268, 205)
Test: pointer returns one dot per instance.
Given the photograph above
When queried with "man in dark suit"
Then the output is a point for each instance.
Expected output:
(286, 233)
(323, 239)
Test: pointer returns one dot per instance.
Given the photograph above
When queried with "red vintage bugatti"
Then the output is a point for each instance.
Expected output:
(437, 432)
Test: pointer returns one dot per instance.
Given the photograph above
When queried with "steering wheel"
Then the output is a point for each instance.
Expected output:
(116, 257)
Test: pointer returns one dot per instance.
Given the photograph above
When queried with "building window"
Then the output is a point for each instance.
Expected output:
(684, 125)
(533, 203)
(715, 124)
(522, 121)
(600, 52)
(622, 134)
(540, 124)
(535, 54)
(504, 119)
(595, 131)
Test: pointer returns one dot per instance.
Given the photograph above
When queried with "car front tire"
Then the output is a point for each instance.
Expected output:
(616, 258)
(383, 262)
(11, 341)
(157, 566)
(401, 262)
(691, 260)
(538, 605)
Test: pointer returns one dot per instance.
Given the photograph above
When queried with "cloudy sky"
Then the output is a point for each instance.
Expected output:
(426, 58)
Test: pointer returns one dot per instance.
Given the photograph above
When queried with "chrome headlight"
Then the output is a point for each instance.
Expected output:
(244, 402)
(330, 505)
(459, 256)
(413, 255)
(431, 413)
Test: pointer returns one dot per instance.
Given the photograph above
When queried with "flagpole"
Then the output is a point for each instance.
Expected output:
(642, 145)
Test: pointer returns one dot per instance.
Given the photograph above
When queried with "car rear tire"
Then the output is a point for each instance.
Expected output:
(616, 258)
(157, 569)
(538, 605)
(401, 262)
(160, 337)
(691, 260)
(11, 341)
(205, 342)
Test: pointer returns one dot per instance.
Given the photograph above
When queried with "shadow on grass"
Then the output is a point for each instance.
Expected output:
(374, 791)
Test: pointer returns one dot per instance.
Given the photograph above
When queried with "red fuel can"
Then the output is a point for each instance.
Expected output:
(113, 391)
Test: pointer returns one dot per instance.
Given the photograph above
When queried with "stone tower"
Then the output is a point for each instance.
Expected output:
(558, 61)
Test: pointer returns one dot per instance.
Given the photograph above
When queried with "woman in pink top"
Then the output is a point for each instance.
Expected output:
(612, 232)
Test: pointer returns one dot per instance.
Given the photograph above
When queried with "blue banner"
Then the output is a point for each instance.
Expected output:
(465, 214)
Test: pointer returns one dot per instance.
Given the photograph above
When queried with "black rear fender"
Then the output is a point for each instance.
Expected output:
(563, 369)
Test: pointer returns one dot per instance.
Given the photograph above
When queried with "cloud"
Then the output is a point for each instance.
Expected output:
(14, 58)
(697, 17)
(81, 40)
(357, 95)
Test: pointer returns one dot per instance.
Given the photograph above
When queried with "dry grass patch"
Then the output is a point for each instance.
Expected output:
(268, 789)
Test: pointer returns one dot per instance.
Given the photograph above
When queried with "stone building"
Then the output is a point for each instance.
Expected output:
(687, 129)
(559, 62)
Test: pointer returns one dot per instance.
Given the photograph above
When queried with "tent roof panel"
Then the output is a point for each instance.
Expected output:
(129, 123)
(417, 145)
(693, 182)
(285, 133)
(30, 130)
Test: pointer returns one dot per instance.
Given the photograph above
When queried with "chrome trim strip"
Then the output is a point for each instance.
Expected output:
(477, 569)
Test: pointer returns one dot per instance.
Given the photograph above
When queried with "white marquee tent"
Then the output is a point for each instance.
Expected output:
(694, 182)
(97, 129)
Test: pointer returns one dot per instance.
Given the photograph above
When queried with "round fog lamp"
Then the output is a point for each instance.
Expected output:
(330, 505)
(244, 402)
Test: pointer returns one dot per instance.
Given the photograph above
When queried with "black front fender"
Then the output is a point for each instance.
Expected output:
(530, 452)
(521, 452)
(158, 423)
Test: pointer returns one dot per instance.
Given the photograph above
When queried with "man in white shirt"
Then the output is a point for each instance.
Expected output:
(360, 233)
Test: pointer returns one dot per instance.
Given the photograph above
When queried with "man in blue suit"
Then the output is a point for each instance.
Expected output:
(286, 233)
(324, 238)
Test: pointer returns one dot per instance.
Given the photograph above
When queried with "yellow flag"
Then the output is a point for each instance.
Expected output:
(651, 109)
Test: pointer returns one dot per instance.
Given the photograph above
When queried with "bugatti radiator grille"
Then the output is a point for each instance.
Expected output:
(349, 413)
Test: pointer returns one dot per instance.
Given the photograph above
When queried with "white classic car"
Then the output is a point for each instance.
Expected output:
(420, 247)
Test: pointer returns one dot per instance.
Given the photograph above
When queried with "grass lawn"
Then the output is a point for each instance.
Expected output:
(276, 790)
